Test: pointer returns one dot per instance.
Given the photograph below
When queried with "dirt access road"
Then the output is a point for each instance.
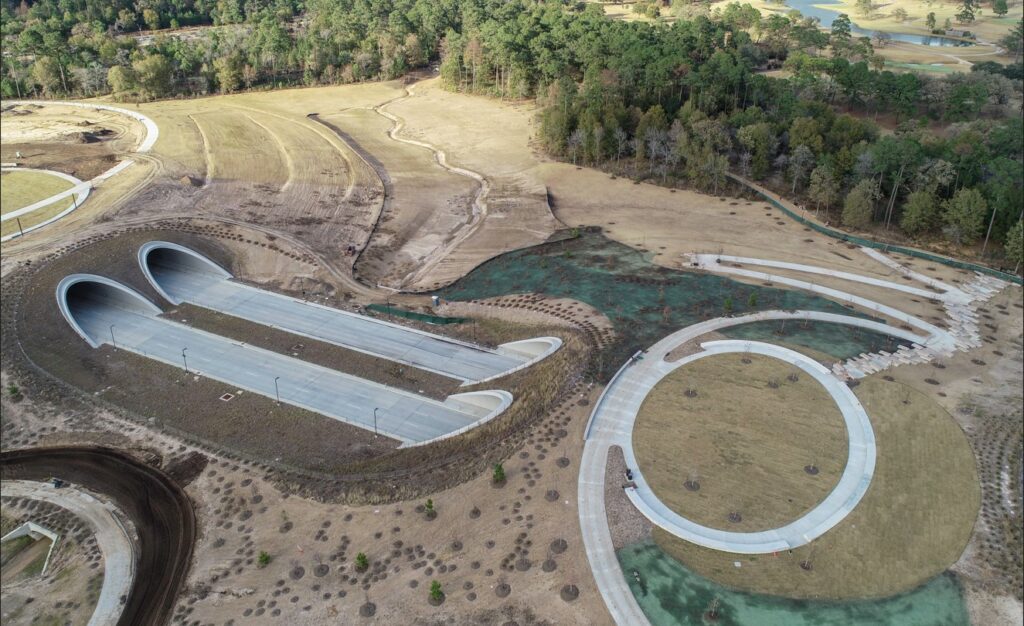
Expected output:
(162, 514)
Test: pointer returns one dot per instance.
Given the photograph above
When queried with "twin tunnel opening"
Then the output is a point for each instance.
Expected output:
(89, 302)
(104, 311)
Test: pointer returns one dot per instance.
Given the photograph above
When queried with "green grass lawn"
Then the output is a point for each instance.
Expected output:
(20, 189)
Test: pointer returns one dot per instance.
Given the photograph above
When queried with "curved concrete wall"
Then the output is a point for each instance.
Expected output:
(80, 294)
(157, 254)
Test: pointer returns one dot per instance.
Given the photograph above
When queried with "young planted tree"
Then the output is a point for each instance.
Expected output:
(930, 21)
(436, 592)
(499, 474)
(428, 508)
(362, 563)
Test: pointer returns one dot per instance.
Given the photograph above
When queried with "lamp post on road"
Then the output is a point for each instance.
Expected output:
(375, 409)
(185, 359)
(112, 341)
(277, 391)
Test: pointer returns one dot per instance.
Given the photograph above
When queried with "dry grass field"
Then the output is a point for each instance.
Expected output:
(745, 442)
(20, 189)
(424, 204)
(912, 524)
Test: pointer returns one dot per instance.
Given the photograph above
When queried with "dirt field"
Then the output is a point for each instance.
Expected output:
(424, 204)
(744, 442)
(501, 552)
(20, 189)
(912, 524)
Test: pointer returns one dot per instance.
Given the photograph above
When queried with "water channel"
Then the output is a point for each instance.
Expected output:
(826, 16)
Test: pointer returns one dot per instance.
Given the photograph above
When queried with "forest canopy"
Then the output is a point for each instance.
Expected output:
(685, 102)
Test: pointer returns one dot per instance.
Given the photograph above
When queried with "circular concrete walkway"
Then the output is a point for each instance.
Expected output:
(611, 424)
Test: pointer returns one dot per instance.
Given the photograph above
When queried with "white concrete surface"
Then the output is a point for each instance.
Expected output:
(128, 321)
(36, 532)
(113, 536)
(211, 287)
(606, 429)
(938, 338)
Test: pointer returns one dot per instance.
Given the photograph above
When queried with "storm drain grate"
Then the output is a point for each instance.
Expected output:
(227, 397)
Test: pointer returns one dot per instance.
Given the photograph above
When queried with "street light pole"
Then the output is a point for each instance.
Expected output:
(112, 340)
(375, 409)
(277, 392)
(185, 359)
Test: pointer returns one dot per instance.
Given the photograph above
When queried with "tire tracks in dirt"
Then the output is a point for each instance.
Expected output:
(162, 512)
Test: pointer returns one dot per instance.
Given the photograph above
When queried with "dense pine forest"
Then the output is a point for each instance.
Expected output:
(812, 114)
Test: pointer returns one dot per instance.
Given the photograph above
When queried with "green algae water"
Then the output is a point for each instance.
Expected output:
(646, 302)
(671, 595)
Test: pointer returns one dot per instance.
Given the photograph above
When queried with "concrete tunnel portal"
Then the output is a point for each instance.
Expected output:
(166, 265)
(91, 304)
(104, 311)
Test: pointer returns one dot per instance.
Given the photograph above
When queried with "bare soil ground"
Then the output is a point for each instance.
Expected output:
(744, 437)
(424, 203)
(70, 588)
(491, 138)
(912, 524)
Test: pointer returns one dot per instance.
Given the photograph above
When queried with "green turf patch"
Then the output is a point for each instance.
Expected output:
(671, 595)
(646, 302)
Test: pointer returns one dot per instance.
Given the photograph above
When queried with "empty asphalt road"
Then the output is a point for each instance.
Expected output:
(216, 291)
(401, 415)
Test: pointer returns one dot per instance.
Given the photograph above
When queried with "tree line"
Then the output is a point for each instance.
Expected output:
(684, 102)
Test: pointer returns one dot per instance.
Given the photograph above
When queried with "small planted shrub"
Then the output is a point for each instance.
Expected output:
(263, 559)
(499, 474)
(362, 563)
(436, 593)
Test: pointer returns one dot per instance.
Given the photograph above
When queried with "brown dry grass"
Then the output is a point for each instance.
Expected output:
(912, 524)
(746, 443)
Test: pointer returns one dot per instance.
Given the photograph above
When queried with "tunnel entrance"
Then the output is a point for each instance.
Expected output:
(91, 304)
(175, 270)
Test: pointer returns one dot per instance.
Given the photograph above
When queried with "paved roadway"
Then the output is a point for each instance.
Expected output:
(111, 536)
(611, 424)
(402, 415)
(433, 353)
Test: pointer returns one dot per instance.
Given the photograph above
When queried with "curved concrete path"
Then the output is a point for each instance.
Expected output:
(852, 485)
(82, 189)
(611, 424)
(112, 537)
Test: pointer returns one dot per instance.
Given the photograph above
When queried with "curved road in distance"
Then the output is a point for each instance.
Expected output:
(159, 508)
